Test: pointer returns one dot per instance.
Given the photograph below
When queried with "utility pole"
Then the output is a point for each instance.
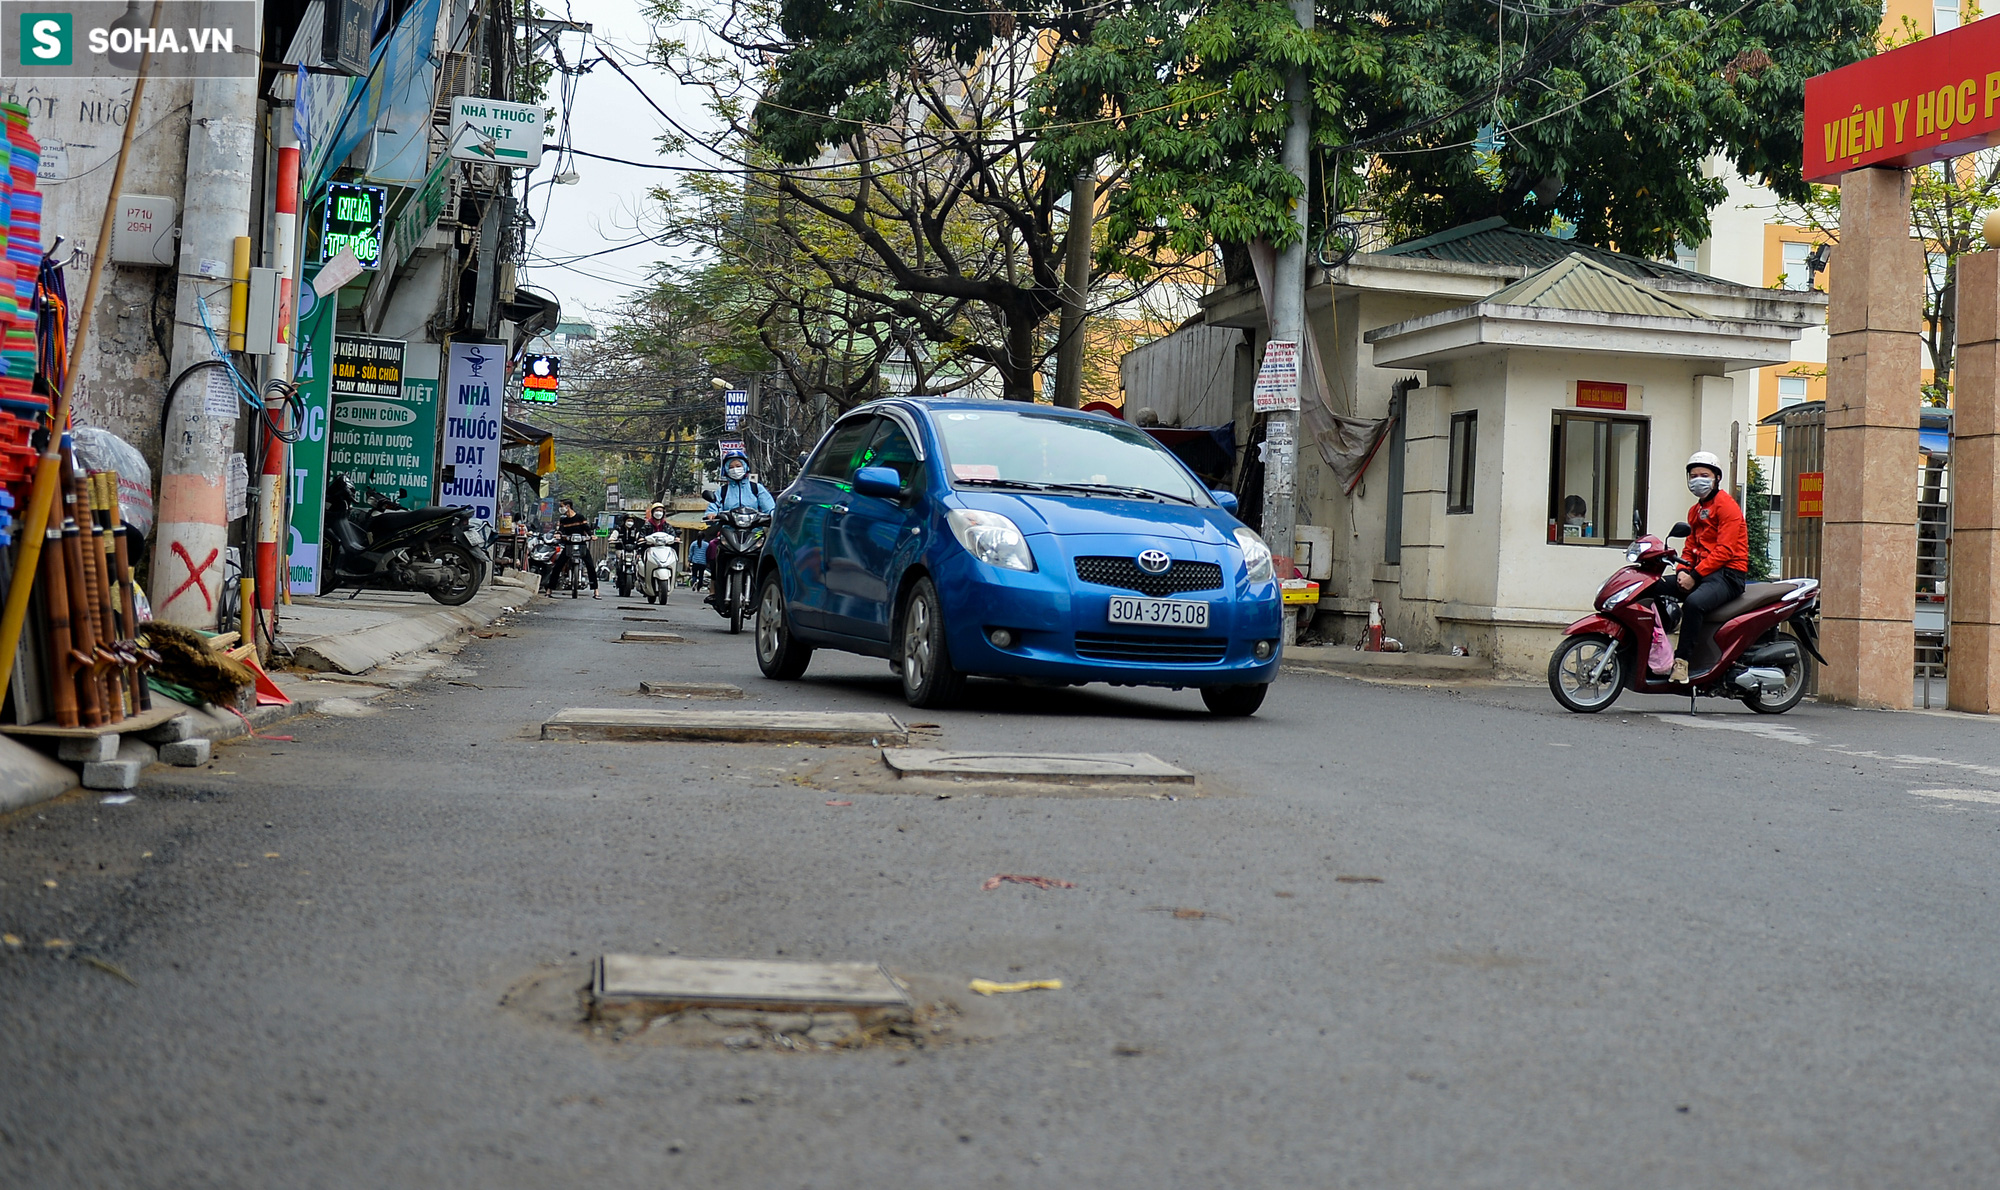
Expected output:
(193, 528)
(1288, 321)
(1076, 288)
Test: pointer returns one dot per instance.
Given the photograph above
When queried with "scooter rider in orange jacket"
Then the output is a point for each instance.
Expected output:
(1715, 562)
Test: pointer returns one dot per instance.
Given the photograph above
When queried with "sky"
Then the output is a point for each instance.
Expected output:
(608, 203)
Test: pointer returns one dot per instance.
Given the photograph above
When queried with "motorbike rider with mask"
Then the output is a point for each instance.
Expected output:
(738, 491)
(1715, 562)
(571, 521)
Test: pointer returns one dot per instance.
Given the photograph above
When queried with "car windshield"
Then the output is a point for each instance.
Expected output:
(1019, 450)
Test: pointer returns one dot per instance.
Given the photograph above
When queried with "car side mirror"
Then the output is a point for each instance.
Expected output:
(879, 481)
(1680, 529)
(1227, 500)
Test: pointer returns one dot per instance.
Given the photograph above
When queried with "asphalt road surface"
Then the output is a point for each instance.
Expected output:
(1625, 950)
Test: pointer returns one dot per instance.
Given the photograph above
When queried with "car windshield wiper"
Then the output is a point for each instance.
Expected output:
(1088, 489)
(1119, 489)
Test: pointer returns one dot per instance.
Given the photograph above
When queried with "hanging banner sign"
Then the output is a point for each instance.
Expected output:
(384, 426)
(494, 132)
(315, 370)
(469, 464)
(1923, 102)
(1278, 378)
(735, 403)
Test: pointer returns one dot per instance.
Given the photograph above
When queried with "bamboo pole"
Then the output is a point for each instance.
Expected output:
(42, 496)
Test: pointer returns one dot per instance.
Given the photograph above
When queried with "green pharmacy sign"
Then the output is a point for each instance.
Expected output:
(354, 219)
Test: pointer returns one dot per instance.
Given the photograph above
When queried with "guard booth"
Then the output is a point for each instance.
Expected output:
(1802, 439)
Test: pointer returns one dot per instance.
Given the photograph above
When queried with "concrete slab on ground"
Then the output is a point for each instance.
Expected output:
(740, 727)
(1352, 662)
(691, 689)
(639, 637)
(1051, 768)
(27, 776)
(671, 984)
(352, 636)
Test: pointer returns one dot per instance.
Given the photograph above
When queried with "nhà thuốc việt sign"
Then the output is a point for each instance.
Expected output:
(1923, 102)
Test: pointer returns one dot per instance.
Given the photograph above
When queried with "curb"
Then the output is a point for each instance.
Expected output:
(356, 653)
(1353, 663)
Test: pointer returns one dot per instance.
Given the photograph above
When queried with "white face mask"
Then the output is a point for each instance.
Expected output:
(735, 473)
(1701, 486)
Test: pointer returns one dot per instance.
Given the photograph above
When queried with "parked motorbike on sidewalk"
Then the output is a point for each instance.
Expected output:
(1758, 648)
(387, 547)
(657, 565)
(542, 550)
(732, 561)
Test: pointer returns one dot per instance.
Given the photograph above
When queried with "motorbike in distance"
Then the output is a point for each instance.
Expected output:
(1754, 648)
(387, 547)
(732, 560)
(657, 564)
(570, 568)
(624, 566)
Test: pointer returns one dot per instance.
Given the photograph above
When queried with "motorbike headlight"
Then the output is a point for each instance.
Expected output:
(991, 538)
(1633, 551)
(1256, 555)
(1618, 597)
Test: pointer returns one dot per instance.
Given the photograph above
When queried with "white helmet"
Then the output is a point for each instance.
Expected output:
(1705, 458)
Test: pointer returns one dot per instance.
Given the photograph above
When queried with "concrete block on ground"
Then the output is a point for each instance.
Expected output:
(180, 727)
(640, 637)
(187, 753)
(135, 749)
(111, 774)
(27, 776)
(83, 751)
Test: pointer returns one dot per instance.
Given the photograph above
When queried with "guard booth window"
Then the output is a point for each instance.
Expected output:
(1463, 461)
(1597, 479)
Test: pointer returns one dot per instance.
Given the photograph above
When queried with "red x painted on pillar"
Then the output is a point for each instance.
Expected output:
(194, 575)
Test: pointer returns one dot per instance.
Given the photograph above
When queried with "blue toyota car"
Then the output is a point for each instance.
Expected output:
(965, 537)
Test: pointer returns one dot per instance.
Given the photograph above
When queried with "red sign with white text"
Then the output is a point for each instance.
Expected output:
(1923, 102)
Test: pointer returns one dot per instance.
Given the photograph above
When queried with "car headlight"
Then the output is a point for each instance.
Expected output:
(1256, 555)
(990, 537)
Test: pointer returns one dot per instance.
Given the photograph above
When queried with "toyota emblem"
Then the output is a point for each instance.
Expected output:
(1155, 561)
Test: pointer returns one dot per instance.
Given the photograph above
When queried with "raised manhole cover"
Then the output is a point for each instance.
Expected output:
(691, 689)
(732, 726)
(650, 985)
(640, 637)
(1062, 768)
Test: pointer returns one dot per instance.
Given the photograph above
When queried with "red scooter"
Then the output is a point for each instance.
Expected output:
(1753, 648)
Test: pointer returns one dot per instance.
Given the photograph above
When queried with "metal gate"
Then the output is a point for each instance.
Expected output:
(1802, 438)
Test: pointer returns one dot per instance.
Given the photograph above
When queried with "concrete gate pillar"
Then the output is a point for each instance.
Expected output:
(1873, 362)
(1975, 489)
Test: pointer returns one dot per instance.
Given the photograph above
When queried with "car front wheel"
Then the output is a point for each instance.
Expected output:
(779, 654)
(1233, 702)
(929, 681)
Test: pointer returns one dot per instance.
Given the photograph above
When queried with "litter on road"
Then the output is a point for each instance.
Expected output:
(987, 987)
(994, 882)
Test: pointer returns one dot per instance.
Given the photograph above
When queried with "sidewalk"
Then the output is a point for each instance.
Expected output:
(375, 635)
(1349, 662)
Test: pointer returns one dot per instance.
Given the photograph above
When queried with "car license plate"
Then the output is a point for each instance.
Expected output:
(1160, 613)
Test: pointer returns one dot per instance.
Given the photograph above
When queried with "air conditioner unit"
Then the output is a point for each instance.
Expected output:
(457, 75)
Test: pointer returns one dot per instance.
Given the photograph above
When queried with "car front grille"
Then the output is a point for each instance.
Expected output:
(1167, 650)
(1125, 573)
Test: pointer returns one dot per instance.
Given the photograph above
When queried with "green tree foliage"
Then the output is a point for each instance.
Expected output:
(1757, 518)
(1432, 113)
